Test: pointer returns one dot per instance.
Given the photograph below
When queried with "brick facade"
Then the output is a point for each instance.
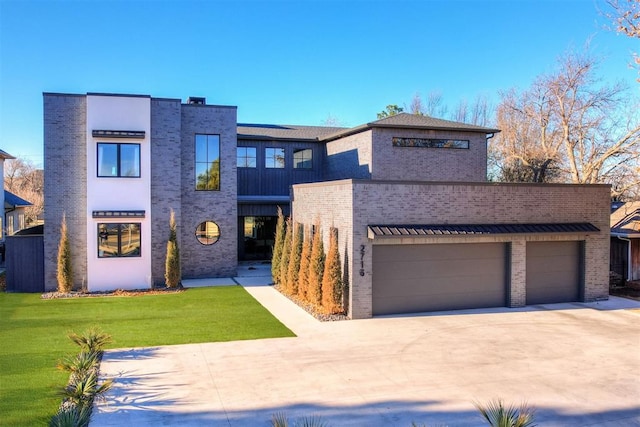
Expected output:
(357, 204)
(65, 183)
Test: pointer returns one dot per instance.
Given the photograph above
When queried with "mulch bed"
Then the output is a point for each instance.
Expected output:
(114, 293)
(630, 290)
(312, 309)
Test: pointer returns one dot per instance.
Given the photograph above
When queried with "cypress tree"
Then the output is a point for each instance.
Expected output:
(294, 259)
(277, 247)
(286, 251)
(305, 257)
(172, 274)
(332, 277)
(316, 267)
(65, 269)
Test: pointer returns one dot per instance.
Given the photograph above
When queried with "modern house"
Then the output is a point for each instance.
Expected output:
(420, 228)
(625, 240)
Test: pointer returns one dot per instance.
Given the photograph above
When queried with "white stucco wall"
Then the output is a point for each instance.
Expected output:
(118, 194)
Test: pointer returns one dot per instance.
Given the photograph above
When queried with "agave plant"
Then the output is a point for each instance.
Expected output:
(69, 415)
(280, 419)
(92, 340)
(82, 390)
(497, 415)
(80, 365)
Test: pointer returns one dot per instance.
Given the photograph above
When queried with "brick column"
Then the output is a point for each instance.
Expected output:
(518, 279)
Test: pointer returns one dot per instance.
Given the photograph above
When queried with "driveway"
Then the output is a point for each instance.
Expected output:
(577, 364)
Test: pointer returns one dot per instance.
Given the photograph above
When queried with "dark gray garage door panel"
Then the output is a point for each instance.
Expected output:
(553, 272)
(415, 278)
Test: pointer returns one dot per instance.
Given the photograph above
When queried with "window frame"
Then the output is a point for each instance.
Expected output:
(208, 162)
(119, 159)
(273, 158)
(119, 239)
(303, 160)
(440, 143)
(246, 157)
(201, 234)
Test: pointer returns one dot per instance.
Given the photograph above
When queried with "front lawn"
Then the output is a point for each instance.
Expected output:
(33, 336)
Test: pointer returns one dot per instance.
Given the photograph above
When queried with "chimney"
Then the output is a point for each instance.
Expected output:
(196, 100)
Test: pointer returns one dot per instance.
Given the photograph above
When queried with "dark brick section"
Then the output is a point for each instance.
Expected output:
(165, 179)
(221, 258)
(65, 182)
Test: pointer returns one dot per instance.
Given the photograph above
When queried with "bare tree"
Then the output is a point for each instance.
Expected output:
(590, 132)
(626, 17)
(25, 181)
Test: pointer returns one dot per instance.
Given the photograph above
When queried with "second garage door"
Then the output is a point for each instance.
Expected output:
(553, 272)
(417, 278)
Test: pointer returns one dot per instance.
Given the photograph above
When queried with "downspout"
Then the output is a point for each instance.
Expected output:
(628, 256)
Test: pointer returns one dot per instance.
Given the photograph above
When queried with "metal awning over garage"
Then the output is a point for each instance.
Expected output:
(418, 230)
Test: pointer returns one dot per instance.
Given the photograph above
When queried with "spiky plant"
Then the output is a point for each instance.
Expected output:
(83, 390)
(277, 247)
(65, 268)
(92, 340)
(172, 273)
(80, 364)
(279, 419)
(497, 415)
(311, 421)
(70, 415)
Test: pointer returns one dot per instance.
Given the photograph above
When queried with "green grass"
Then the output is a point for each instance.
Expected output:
(33, 336)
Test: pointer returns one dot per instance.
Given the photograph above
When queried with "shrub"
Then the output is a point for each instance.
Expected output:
(65, 270)
(294, 259)
(332, 277)
(286, 252)
(316, 268)
(497, 415)
(305, 258)
(70, 415)
(172, 273)
(92, 340)
(277, 247)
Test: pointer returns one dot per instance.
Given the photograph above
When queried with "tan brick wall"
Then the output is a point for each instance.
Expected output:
(387, 202)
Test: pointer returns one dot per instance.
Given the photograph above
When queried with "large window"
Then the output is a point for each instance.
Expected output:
(118, 240)
(303, 158)
(118, 160)
(246, 157)
(430, 143)
(274, 158)
(208, 162)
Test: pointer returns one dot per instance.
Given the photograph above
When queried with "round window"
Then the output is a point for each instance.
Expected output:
(207, 232)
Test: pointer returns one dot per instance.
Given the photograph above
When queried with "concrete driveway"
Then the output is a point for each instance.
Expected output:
(577, 364)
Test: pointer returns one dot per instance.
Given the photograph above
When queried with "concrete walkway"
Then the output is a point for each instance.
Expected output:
(577, 364)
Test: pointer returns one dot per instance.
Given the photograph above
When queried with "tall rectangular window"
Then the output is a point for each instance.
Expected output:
(118, 160)
(274, 158)
(208, 162)
(119, 240)
(246, 157)
(302, 158)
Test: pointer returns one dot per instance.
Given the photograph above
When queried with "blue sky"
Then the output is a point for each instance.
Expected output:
(288, 62)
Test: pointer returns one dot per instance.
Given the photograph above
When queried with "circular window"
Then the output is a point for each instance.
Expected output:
(207, 232)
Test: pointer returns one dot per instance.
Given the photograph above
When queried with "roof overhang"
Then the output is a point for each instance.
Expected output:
(419, 230)
(263, 199)
(626, 235)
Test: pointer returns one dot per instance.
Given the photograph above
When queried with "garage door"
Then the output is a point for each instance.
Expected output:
(417, 278)
(553, 272)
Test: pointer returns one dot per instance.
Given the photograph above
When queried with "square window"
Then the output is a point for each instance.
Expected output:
(117, 240)
(118, 160)
(246, 157)
(302, 158)
(274, 158)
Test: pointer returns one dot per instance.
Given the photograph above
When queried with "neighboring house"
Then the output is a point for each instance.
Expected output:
(3, 156)
(14, 212)
(625, 240)
(419, 227)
